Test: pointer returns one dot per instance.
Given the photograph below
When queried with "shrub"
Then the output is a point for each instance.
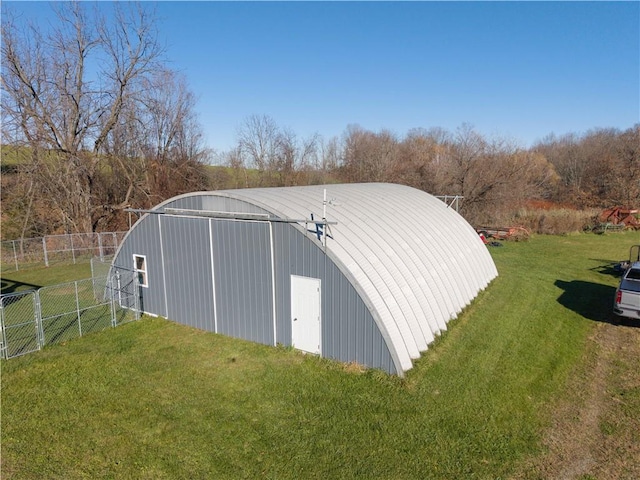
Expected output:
(555, 221)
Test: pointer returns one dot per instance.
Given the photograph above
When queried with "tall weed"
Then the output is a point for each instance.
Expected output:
(559, 221)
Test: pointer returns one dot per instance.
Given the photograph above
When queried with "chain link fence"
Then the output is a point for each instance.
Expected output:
(30, 320)
(50, 249)
(100, 266)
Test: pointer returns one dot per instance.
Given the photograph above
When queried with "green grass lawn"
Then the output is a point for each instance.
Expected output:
(41, 276)
(157, 400)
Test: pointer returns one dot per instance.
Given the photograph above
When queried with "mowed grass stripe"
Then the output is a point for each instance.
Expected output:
(154, 399)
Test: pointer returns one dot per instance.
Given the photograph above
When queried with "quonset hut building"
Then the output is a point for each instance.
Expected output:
(374, 284)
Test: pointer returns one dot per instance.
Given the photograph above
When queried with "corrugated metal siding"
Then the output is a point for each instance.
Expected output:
(349, 332)
(187, 262)
(144, 239)
(228, 204)
(190, 202)
(242, 263)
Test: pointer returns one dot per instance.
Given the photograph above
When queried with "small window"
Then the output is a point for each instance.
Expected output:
(140, 267)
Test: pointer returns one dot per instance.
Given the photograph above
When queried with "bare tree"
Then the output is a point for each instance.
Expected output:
(418, 160)
(277, 154)
(294, 157)
(625, 174)
(258, 142)
(234, 160)
(464, 154)
(494, 176)
(368, 156)
(327, 161)
(42, 97)
(174, 151)
(94, 131)
(595, 169)
(156, 148)
(19, 196)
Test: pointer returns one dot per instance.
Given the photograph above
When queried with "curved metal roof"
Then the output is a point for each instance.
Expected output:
(413, 260)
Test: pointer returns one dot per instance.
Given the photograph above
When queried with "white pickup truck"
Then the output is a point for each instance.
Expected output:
(627, 301)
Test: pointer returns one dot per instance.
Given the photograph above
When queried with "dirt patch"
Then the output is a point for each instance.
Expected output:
(595, 429)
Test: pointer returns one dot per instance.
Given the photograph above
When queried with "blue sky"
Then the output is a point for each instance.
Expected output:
(517, 70)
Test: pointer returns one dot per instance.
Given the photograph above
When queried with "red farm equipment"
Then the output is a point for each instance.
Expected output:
(503, 233)
(622, 217)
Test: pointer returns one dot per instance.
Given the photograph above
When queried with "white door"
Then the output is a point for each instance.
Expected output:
(305, 313)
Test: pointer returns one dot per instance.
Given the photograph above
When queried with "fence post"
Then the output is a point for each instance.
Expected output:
(119, 288)
(38, 319)
(15, 256)
(136, 297)
(101, 247)
(93, 279)
(73, 252)
(114, 322)
(78, 309)
(3, 337)
(44, 249)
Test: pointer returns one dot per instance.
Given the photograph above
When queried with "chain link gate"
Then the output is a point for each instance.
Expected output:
(125, 293)
(19, 318)
(55, 314)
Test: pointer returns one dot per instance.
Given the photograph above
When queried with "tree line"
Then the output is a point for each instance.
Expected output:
(95, 122)
(496, 176)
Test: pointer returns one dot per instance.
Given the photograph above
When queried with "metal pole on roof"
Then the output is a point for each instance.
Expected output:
(324, 218)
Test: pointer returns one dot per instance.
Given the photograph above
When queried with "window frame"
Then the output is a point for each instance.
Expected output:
(141, 273)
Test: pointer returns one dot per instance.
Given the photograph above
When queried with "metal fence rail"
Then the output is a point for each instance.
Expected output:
(451, 201)
(30, 320)
(15, 254)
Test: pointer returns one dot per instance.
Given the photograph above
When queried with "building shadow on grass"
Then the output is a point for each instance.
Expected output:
(591, 300)
(607, 267)
(13, 286)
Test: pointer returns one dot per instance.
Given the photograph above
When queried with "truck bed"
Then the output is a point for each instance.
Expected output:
(627, 301)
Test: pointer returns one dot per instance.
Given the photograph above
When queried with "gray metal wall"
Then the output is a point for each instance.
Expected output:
(349, 332)
(244, 287)
(187, 267)
(145, 240)
(179, 254)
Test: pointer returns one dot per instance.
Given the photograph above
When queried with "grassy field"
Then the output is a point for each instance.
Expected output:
(156, 400)
(41, 276)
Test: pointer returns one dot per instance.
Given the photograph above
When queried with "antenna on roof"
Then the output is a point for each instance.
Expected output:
(321, 225)
(324, 218)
